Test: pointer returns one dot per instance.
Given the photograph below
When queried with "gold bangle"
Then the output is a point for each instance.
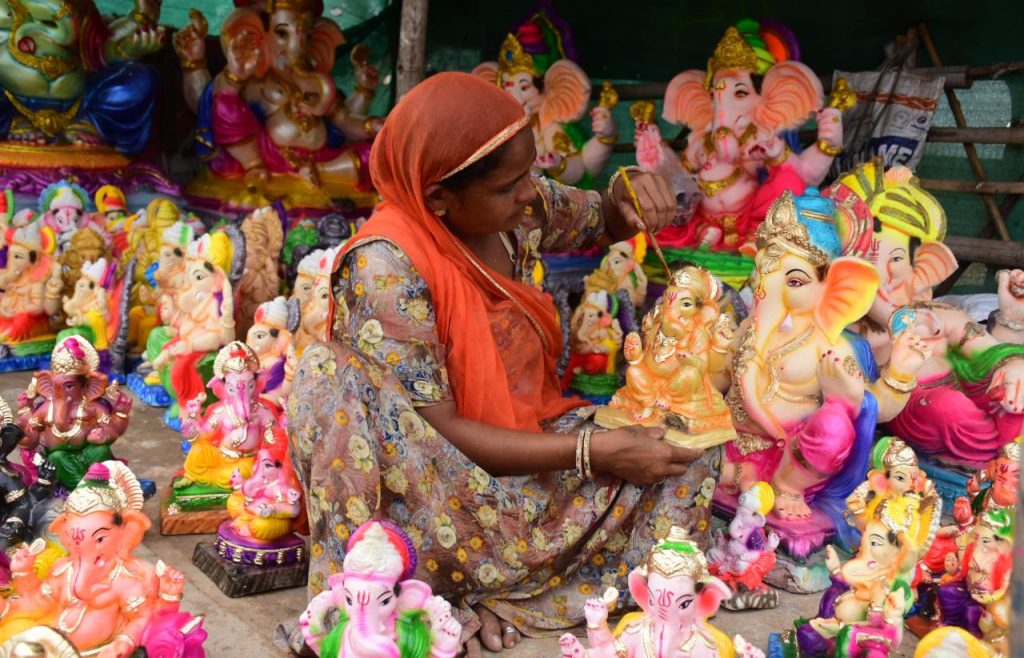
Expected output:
(616, 176)
(775, 162)
(368, 125)
(586, 453)
(579, 451)
(141, 19)
(828, 149)
(609, 140)
(173, 598)
(232, 77)
(897, 385)
(189, 65)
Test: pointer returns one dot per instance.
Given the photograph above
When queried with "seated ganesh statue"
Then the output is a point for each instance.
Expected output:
(381, 609)
(272, 123)
(535, 66)
(32, 284)
(737, 110)
(105, 600)
(75, 97)
(744, 556)
(677, 595)
(668, 382)
(224, 441)
(71, 413)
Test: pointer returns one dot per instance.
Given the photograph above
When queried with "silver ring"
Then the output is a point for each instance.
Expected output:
(509, 630)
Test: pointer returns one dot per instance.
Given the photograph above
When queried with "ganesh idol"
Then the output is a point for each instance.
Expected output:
(70, 78)
(272, 121)
(969, 398)
(101, 597)
(805, 396)
(317, 306)
(554, 91)
(32, 284)
(271, 337)
(737, 110)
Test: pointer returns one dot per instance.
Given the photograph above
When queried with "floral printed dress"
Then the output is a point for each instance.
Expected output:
(530, 548)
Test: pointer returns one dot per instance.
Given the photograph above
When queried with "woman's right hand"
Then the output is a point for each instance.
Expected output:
(638, 454)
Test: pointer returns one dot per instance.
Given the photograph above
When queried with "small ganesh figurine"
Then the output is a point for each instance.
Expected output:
(969, 398)
(383, 611)
(621, 269)
(228, 436)
(86, 244)
(156, 313)
(316, 308)
(32, 284)
(535, 66)
(63, 208)
(88, 309)
(1002, 475)
(71, 413)
(677, 595)
(265, 505)
(103, 598)
(271, 338)
(260, 280)
(668, 380)
(975, 597)
(893, 540)
(595, 339)
(895, 473)
(747, 554)
(272, 120)
(803, 394)
(27, 509)
(738, 110)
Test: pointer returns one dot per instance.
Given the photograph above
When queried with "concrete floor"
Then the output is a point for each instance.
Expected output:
(246, 626)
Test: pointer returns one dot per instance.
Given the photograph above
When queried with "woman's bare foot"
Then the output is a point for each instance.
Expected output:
(495, 634)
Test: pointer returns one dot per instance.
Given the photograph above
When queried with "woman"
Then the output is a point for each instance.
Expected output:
(437, 404)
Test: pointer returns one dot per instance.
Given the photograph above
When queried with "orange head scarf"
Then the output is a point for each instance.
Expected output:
(441, 126)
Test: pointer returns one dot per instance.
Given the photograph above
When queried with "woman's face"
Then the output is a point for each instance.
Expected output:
(496, 202)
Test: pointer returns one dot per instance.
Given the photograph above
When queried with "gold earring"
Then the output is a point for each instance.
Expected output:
(440, 213)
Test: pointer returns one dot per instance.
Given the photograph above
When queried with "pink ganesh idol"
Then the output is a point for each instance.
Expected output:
(106, 601)
(969, 398)
(271, 337)
(744, 556)
(383, 611)
(677, 595)
(737, 110)
(32, 284)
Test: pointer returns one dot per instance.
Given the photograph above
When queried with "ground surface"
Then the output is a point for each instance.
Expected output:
(245, 627)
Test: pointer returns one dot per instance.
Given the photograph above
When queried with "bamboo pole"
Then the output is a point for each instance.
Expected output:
(984, 187)
(972, 153)
(990, 252)
(412, 46)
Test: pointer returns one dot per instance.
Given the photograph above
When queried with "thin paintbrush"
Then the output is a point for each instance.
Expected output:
(643, 223)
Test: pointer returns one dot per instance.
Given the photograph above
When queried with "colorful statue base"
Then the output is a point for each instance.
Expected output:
(685, 432)
(15, 363)
(209, 192)
(30, 169)
(799, 538)
(151, 395)
(193, 510)
(237, 579)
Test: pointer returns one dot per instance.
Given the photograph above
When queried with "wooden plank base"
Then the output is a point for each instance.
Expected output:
(203, 522)
(237, 580)
(613, 419)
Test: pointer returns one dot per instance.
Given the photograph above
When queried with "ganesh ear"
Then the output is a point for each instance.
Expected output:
(488, 71)
(850, 288)
(687, 102)
(566, 92)
(934, 262)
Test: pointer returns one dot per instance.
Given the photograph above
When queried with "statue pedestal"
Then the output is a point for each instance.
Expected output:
(154, 396)
(193, 511)
(684, 432)
(799, 539)
(800, 576)
(921, 626)
(30, 168)
(209, 192)
(31, 354)
(241, 566)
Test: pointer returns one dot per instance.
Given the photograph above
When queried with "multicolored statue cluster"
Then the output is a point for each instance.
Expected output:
(272, 122)
(738, 111)
(101, 597)
(535, 65)
(381, 609)
(677, 595)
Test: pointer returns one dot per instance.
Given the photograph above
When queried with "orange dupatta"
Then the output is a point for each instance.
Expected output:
(441, 126)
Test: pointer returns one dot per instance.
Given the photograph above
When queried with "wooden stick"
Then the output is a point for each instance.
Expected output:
(647, 231)
(990, 252)
(972, 153)
(984, 187)
(412, 46)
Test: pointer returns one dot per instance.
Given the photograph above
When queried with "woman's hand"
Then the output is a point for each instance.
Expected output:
(639, 455)
(657, 204)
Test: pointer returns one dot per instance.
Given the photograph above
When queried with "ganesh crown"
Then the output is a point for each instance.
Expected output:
(732, 53)
(315, 7)
(896, 453)
(179, 234)
(801, 226)
(110, 198)
(235, 357)
(107, 487)
(512, 59)
(74, 356)
(686, 277)
(95, 270)
(999, 521)
(1011, 450)
(677, 555)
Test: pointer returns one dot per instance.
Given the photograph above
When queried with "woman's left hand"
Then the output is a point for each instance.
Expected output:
(656, 198)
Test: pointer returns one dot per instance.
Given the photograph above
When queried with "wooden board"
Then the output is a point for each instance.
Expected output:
(237, 580)
(203, 522)
(613, 419)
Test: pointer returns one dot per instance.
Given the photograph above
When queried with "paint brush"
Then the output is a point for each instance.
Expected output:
(643, 223)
